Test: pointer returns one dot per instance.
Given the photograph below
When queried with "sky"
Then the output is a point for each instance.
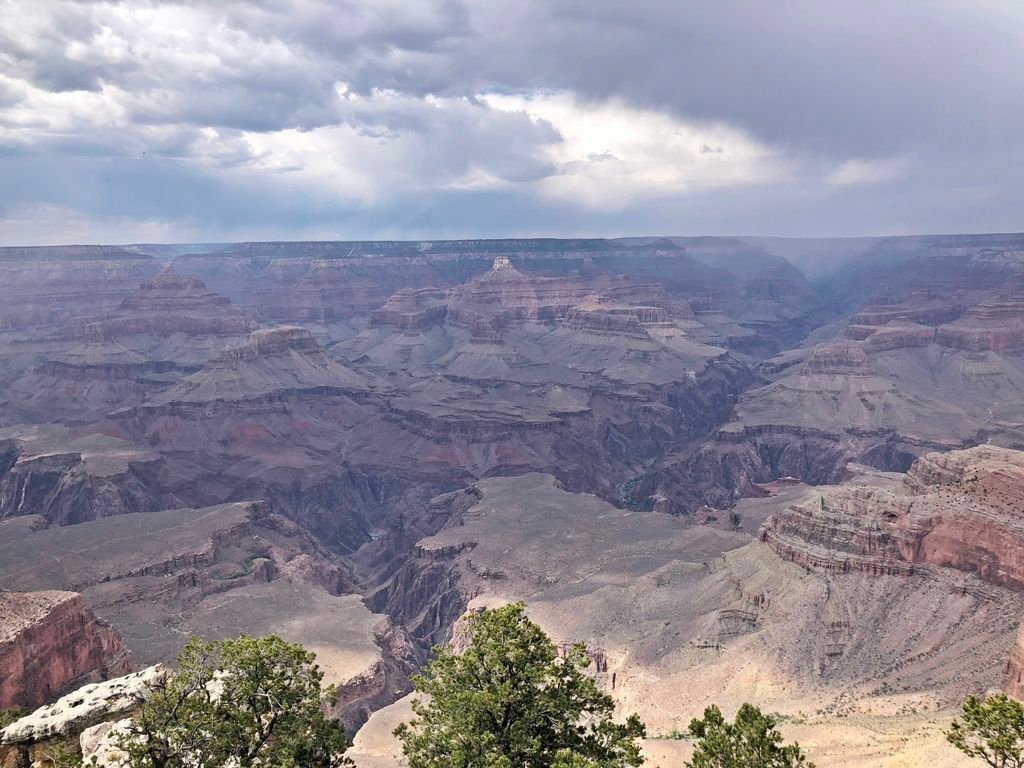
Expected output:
(217, 120)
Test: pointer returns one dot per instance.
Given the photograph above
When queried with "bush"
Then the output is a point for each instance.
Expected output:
(8, 716)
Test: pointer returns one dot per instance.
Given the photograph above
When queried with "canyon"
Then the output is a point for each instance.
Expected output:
(733, 482)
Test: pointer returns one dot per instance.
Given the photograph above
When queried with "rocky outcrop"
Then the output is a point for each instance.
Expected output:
(507, 294)
(274, 341)
(894, 336)
(28, 739)
(961, 509)
(602, 315)
(921, 307)
(411, 309)
(994, 325)
(50, 642)
(72, 486)
(280, 360)
(838, 359)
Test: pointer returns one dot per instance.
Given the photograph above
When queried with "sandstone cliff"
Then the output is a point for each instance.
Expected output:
(49, 643)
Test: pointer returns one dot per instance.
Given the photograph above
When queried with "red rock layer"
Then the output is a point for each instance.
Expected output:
(50, 642)
(1014, 680)
(993, 325)
(962, 509)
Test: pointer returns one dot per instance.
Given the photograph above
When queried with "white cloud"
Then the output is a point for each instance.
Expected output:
(612, 154)
(388, 144)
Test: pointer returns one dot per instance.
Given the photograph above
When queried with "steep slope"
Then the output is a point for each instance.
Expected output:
(963, 510)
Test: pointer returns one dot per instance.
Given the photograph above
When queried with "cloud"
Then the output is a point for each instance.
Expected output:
(612, 154)
(224, 116)
(857, 171)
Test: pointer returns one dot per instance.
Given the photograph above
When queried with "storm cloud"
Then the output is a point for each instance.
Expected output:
(140, 120)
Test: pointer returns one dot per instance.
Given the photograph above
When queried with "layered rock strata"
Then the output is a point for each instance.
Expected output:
(962, 510)
(50, 642)
(166, 304)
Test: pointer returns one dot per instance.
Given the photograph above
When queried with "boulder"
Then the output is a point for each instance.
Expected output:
(94, 703)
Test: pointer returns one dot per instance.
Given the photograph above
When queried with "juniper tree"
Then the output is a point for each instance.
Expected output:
(511, 700)
(241, 703)
(992, 730)
(751, 741)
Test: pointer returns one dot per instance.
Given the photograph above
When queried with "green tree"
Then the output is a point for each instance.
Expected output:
(751, 741)
(243, 702)
(992, 730)
(510, 700)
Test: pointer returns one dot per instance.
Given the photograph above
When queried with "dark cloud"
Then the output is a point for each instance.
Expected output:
(867, 116)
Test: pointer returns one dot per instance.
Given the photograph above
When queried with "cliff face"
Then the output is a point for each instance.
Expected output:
(50, 473)
(995, 325)
(959, 510)
(43, 287)
(89, 709)
(936, 367)
(50, 642)
(1014, 678)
